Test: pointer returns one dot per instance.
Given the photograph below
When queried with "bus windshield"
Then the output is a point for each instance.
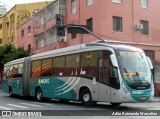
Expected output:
(134, 69)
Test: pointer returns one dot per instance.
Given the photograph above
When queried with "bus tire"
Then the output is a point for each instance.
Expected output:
(39, 96)
(10, 92)
(115, 104)
(86, 98)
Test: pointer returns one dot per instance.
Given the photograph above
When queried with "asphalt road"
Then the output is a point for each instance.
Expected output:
(73, 108)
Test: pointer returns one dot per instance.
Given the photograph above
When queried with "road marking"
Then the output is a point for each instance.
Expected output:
(13, 105)
(44, 103)
(5, 108)
(31, 105)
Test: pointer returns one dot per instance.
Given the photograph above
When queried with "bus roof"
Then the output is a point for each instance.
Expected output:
(21, 60)
(78, 48)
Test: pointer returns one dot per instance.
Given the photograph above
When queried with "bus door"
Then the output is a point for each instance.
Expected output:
(104, 76)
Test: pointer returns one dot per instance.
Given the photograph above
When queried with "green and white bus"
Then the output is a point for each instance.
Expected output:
(90, 73)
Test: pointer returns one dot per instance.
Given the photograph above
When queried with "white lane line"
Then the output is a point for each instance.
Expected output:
(44, 103)
(13, 105)
(5, 108)
(31, 105)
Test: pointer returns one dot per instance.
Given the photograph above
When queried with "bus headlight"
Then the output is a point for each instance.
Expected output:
(126, 90)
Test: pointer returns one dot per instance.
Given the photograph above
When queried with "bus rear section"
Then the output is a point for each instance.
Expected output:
(13, 77)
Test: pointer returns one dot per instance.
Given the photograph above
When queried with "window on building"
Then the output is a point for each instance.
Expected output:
(29, 30)
(117, 1)
(7, 24)
(144, 3)
(42, 43)
(22, 33)
(36, 44)
(89, 2)
(145, 29)
(74, 35)
(29, 48)
(90, 24)
(117, 24)
(72, 64)
(73, 4)
(1, 26)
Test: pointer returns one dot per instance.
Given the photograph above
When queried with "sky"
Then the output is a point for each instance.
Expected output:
(10, 3)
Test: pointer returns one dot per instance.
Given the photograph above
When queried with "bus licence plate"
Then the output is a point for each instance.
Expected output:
(143, 98)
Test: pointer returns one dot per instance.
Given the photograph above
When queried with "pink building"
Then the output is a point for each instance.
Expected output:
(132, 22)
(43, 35)
(25, 36)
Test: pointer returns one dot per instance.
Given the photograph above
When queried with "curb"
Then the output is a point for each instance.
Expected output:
(155, 100)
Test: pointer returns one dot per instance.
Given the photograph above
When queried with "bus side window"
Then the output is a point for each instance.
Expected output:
(89, 64)
(36, 68)
(59, 66)
(5, 72)
(72, 64)
(47, 67)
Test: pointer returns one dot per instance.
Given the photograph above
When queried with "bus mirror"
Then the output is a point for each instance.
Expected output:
(149, 62)
(113, 60)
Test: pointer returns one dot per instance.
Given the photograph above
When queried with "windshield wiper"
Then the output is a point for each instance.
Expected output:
(125, 70)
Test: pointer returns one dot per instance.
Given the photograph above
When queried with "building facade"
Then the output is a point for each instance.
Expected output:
(45, 34)
(25, 35)
(15, 17)
(137, 25)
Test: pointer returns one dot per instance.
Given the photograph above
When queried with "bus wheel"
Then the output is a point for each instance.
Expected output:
(115, 104)
(39, 96)
(86, 98)
(10, 92)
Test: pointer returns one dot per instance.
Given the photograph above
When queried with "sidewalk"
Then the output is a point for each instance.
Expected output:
(155, 99)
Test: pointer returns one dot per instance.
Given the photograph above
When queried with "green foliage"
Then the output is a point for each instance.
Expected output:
(8, 53)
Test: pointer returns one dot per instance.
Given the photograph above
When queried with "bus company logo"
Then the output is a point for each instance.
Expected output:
(137, 92)
(43, 81)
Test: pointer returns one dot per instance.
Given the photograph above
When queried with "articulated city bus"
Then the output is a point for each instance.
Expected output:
(92, 72)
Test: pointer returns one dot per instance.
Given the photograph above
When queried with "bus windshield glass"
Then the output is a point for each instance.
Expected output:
(134, 69)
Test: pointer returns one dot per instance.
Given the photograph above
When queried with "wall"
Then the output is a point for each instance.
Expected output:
(131, 12)
(16, 16)
(28, 37)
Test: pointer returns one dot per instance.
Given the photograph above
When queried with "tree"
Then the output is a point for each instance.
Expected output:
(8, 53)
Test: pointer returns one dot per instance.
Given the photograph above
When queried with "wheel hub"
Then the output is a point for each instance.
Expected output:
(39, 95)
(86, 97)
